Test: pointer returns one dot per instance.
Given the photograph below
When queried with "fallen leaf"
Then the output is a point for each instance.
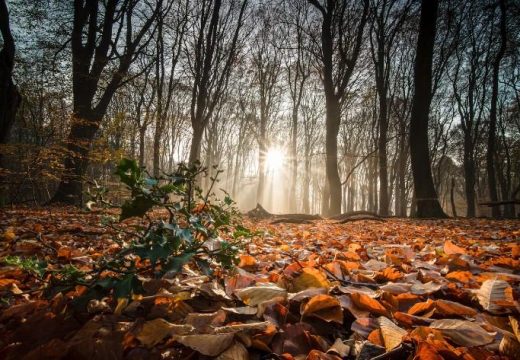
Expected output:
(237, 351)
(451, 249)
(247, 261)
(391, 333)
(463, 332)
(154, 331)
(325, 307)
(365, 302)
(206, 344)
(9, 235)
(310, 278)
(426, 351)
(448, 308)
(493, 294)
(255, 295)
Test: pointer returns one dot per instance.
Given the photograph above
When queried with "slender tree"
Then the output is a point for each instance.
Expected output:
(339, 51)
(211, 58)
(491, 150)
(425, 194)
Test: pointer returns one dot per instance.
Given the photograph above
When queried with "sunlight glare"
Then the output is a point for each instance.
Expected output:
(274, 159)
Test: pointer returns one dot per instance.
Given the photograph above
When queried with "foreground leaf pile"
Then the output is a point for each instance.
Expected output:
(363, 290)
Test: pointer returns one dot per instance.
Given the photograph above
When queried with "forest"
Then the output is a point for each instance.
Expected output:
(260, 179)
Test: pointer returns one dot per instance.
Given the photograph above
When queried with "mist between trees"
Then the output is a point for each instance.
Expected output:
(396, 107)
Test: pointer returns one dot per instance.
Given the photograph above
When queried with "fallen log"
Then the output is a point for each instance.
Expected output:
(352, 214)
(498, 203)
(260, 213)
(290, 221)
(360, 218)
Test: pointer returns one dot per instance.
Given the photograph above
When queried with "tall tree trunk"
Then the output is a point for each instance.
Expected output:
(294, 160)
(331, 162)
(452, 198)
(82, 132)
(382, 155)
(196, 141)
(469, 176)
(142, 135)
(427, 202)
(401, 181)
(491, 151)
(306, 185)
(9, 96)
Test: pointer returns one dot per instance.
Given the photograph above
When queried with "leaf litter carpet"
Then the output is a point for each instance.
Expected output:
(399, 289)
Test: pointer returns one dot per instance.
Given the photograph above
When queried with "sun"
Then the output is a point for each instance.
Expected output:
(274, 159)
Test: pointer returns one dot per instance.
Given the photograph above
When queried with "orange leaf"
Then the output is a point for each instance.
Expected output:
(422, 307)
(247, 261)
(450, 248)
(375, 337)
(310, 277)
(365, 302)
(425, 351)
(448, 308)
(65, 253)
(9, 234)
(462, 276)
(324, 307)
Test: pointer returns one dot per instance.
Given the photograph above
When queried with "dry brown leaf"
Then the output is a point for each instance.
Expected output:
(325, 307)
(310, 278)
(154, 331)
(426, 351)
(509, 346)
(462, 332)
(339, 348)
(365, 302)
(206, 344)
(391, 333)
(448, 308)
(247, 261)
(422, 307)
(450, 248)
(493, 294)
(237, 351)
(255, 295)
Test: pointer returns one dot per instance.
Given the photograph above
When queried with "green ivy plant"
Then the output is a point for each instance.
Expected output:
(192, 227)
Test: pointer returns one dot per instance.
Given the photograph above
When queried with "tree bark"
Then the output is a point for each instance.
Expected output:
(491, 150)
(9, 96)
(427, 203)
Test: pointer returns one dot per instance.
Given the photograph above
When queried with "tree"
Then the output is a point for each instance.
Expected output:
(267, 68)
(9, 96)
(339, 51)
(101, 32)
(491, 150)
(211, 59)
(388, 18)
(425, 194)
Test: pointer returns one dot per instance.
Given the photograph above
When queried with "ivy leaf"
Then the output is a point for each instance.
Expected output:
(129, 172)
(136, 207)
(127, 285)
(177, 262)
(184, 235)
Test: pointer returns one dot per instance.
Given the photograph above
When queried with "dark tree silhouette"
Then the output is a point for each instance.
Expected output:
(96, 40)
(9, 96)
(425, 194)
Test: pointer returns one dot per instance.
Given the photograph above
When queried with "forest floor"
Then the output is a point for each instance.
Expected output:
(393, 289)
